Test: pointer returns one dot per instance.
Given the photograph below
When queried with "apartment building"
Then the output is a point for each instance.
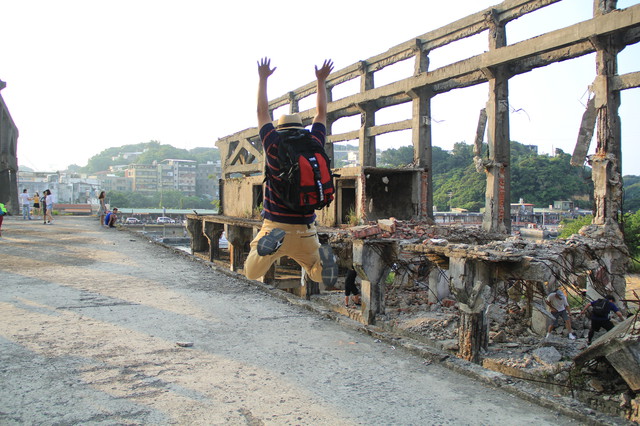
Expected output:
(144, 177)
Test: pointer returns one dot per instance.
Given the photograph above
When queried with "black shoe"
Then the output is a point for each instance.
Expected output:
(329, 266)
(271, 242)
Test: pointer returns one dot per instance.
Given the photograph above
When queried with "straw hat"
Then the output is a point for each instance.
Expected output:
(292, 121)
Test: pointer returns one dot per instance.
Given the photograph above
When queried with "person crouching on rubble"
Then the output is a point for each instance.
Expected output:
(559, 305)
(600, 310)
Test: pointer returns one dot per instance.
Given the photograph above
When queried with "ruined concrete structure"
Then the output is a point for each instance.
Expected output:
(470, 263)
(8, 158)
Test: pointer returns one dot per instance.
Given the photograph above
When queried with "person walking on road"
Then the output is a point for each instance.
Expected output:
(36, 205)
(48, 211)
(25, 202)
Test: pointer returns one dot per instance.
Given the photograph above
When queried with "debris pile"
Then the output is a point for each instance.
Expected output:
(423, 231)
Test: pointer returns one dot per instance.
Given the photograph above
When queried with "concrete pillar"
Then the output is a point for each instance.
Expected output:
(469, 278)
(438, 285)
(199, 241)
(238, 237)
(421, 134)
(367, 152)
(328, 146)
(607, 160)
(369, 262)
(213, 231)
(293, 104)
(497, 217)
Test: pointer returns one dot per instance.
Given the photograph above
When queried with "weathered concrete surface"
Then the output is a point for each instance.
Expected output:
(90, 319)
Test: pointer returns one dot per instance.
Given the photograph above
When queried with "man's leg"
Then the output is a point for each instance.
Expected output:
(592, 331)
(256, 266)
(349, 284)
(554, 324)
(316, 259)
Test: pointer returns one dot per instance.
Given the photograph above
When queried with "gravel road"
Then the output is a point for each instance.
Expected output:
(90, 325)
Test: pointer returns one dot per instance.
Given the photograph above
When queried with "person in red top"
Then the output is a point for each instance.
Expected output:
(285, 232)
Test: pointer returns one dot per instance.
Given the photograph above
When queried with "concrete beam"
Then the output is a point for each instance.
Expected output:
(587, 127)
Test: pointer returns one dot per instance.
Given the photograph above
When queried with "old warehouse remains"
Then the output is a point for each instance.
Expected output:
(465, 264)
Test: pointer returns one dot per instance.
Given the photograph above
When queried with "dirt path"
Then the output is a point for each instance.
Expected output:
(91, 319)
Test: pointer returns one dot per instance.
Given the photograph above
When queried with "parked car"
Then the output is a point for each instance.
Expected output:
(132, 221)
(165, 219)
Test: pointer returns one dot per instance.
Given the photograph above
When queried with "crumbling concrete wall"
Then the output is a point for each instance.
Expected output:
(239, 196)
(8, 158)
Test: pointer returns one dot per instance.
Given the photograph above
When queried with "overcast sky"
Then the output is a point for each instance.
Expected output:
(85, 75)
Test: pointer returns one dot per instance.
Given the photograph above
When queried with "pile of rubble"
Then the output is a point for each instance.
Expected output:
(514, 349)
(422, 231)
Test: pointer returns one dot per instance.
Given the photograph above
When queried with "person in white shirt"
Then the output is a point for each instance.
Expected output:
(559, 305)
(48, 213)
(25, 202)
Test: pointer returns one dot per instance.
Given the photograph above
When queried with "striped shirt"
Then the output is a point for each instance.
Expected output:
(273, 208)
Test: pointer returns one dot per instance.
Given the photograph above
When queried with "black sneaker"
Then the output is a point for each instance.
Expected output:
(271, 242)
(329, 266)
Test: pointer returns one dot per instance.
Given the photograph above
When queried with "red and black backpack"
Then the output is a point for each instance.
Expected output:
(305, 181)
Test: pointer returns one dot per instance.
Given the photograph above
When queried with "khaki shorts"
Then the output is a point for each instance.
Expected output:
(300, 244)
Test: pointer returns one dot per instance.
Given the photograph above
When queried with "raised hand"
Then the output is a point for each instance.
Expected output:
(264, 67)
(325, 70)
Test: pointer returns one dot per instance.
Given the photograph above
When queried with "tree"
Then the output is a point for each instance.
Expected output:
(632, 233)
(631, 197)
(572, 226)
(397, 157)
(152, 151)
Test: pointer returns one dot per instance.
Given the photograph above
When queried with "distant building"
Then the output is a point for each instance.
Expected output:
(116, 183)
(74, 188)
(521, 208)
(207, 177)
(563, 205)
(165, 177)
(144, 178)
(183, 175)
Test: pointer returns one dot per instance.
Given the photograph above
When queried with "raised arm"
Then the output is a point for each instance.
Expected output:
(264, 71)
(321, 99)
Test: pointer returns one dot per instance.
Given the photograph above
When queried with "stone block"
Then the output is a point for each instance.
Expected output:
(547, 355)
(365, 231)
(388, 225)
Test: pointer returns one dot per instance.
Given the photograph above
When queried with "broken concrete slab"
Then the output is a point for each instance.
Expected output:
(621, 347)
(547, 355)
